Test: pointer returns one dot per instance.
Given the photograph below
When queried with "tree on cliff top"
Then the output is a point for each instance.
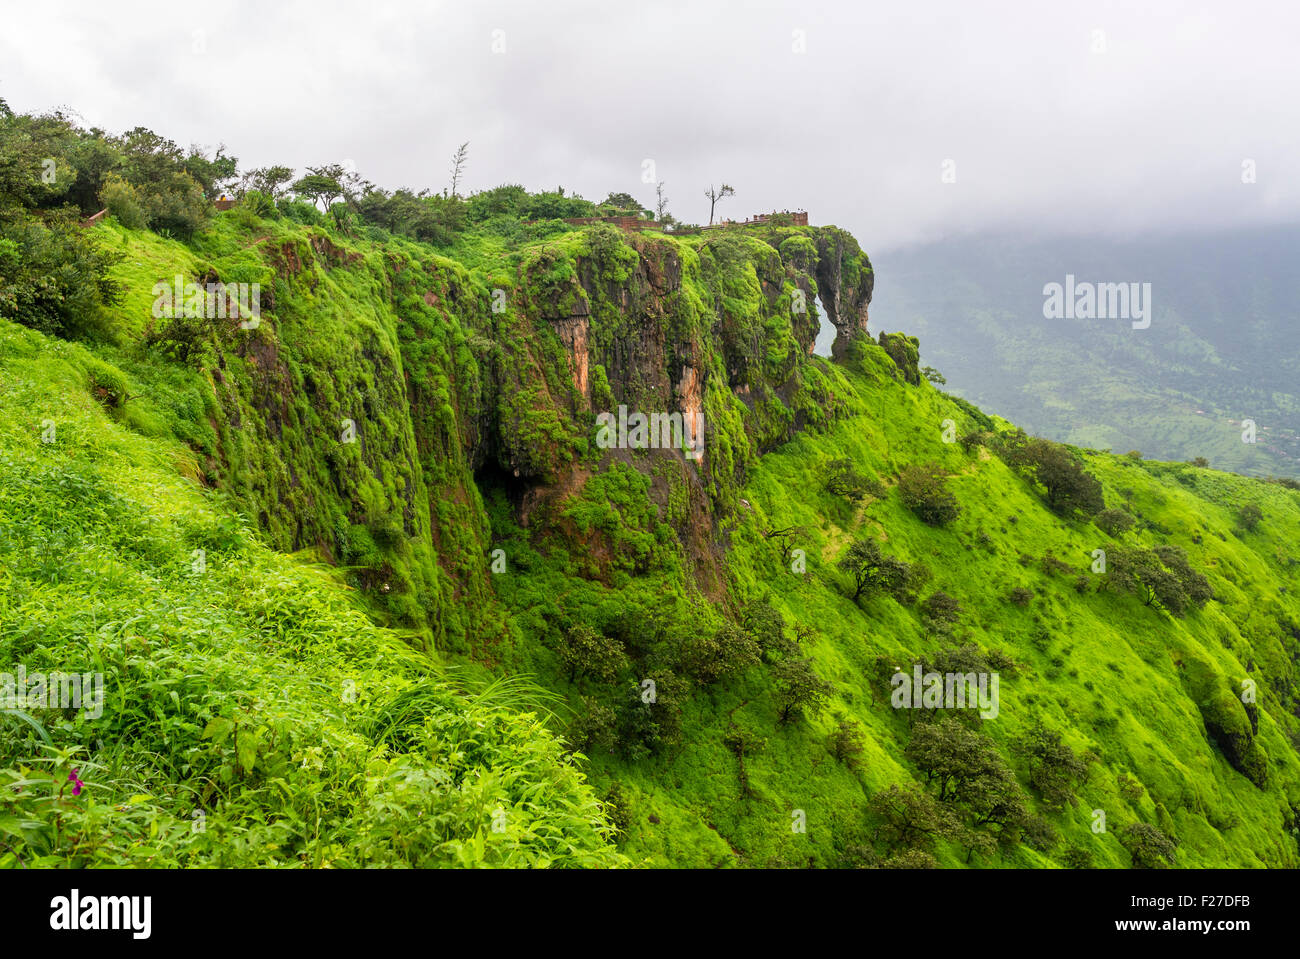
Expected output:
(716, 195)
(458, 166)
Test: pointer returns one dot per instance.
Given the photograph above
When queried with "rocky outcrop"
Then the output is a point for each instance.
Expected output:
(391, 393)
(845, 280)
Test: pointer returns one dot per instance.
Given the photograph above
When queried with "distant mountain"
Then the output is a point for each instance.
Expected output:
(1222, 347)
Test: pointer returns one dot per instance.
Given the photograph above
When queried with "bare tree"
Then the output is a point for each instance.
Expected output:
(715, 195)
(661, 202)
(458, 166)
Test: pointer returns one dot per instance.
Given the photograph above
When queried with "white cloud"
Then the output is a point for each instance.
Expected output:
(1044, 131)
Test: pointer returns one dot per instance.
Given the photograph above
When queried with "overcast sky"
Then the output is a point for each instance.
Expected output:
(1119, 117)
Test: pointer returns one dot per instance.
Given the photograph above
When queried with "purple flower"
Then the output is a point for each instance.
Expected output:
(76, 782)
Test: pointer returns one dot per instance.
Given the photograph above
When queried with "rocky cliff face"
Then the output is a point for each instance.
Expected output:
(387, 391)
(716, 331)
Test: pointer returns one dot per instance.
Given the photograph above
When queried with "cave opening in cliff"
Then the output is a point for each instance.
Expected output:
(493, 480)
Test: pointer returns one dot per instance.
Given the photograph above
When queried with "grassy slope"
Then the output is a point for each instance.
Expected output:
(1121, 680)
(249, 693)
(1107, 671)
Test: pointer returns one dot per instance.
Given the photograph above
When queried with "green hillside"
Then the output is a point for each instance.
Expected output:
(366, 586)
(1222, 347)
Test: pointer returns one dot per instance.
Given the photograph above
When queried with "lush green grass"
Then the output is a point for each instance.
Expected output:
(254, 714)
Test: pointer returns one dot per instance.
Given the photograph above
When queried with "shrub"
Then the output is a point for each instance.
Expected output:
(1077, 857)
(873, 571)
(1129, 787)
(911, 859)
(909, 818)
(1114, 521)
(585, 652)
(844, 480)
(727, 650)
(798, 688)
(965, 766)
(924, 490)
(617, 810)
(766, 625)
(54, 276)
(1040, 834)
(1054, 769)
(1162, 577)
(939, 612)
(594, 728)
(124, 202)
(1021, 596)
(1148, 846)
(259, 204)
(651, 725)
(847, 743)
(301, 212)
(1070, 488)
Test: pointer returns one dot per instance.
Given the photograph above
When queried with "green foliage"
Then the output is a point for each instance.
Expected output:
(924, 490)
(847, 743)
(1054, 769)
(555, 205)
(1070, 488)
(214, 174)
(585, 652)
(940, 612)
(875, 572)
(966, 767)
(253, 715)
(124, 202)
(843, 479)
(55, 277)
(1161, 577)
(430, 219)
(728, 650)
(508, 200)
(270, 181)
(1114, 521)
(908, 818)
(1149, 847)
(318, 188)
(799, 690)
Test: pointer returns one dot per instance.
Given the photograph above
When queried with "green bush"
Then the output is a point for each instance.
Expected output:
(1114, 521)
(54, 276)
(124, 202)
(924, 490)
